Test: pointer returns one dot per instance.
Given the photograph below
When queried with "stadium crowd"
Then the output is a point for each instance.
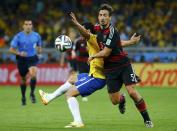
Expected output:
(154, 20)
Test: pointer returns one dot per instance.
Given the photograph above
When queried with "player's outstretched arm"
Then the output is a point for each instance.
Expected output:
(133, 40)
(80, 28)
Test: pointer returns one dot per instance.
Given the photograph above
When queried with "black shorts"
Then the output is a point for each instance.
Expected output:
(24, 63)
(116, 78)
(82, 67)
(73, 65)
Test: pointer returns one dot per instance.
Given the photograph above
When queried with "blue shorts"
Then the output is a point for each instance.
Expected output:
(87, 85)
(24, 63)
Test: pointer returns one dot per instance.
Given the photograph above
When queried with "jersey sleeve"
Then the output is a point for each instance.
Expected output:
(14, 42)
(111, 39)
(39, 43)
(92, 39)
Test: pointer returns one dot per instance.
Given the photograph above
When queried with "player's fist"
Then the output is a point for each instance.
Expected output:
(23, 54)
(90, 59)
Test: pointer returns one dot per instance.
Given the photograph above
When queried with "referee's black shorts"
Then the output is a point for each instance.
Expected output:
(24, 63)
(116, 78)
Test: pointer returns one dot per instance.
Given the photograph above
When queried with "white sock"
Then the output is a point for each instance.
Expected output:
(74, 108)
(61, 90)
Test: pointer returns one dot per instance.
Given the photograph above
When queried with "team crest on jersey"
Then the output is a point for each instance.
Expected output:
(108, 42)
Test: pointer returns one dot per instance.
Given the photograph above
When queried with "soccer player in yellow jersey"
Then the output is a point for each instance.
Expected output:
(83, 84)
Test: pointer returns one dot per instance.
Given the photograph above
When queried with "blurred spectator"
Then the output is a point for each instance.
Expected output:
(154, 20)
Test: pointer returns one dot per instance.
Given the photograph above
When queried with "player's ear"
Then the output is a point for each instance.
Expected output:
(23, 26)
(110, 18)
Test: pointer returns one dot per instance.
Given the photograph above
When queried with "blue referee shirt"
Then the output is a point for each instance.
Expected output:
(26, 42)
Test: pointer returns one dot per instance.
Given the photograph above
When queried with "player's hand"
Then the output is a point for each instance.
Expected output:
(90, 59)
(73, 18)
(23, 54)
(39, 56)
(135, 39)
(73, 54)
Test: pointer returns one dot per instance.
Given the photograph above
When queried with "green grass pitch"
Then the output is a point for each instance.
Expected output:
(98, 113)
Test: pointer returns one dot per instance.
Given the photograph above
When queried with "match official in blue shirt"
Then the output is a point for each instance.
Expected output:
(26, 45)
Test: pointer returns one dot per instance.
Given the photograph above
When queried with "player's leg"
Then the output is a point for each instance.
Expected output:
(47, 97)
(140, 104)
(130, 81)
(23, 90)
(116, 97)
(86, 85)
(33, 73)
(74, 107)
(83, 67)
(31, 63)
(23, 70)
(82, 84)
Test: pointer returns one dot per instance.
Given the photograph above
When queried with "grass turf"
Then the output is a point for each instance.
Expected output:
(98, 113)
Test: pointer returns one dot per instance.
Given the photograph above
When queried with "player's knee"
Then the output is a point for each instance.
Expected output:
(67, 94)
(23, 80)
(115, 97)
(72, 92)
(33, 71)
(33, 78)
(132, 93)
(72, 79)
(33, 74)
(114, 101)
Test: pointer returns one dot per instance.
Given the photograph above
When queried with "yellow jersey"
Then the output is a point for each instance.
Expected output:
(96, 65)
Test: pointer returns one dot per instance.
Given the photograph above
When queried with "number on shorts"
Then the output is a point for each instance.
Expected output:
(133, 76)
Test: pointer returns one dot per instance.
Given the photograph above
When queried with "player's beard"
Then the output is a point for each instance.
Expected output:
(103, 24)
(27, 31)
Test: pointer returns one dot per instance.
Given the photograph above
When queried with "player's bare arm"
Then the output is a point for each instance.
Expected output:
(102, 54)
(15, 52)
(85, 33)
(39, 49)
(133, 40)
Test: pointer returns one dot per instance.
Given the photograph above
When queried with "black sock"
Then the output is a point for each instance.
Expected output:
(33, 85)
(23, 89)
(141, 106)
(145, 115)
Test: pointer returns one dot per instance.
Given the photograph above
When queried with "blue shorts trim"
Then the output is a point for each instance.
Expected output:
(87, 85)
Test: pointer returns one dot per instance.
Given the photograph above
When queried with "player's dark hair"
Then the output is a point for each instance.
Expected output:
(106, 7)
(89, 26)
(27, 19)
